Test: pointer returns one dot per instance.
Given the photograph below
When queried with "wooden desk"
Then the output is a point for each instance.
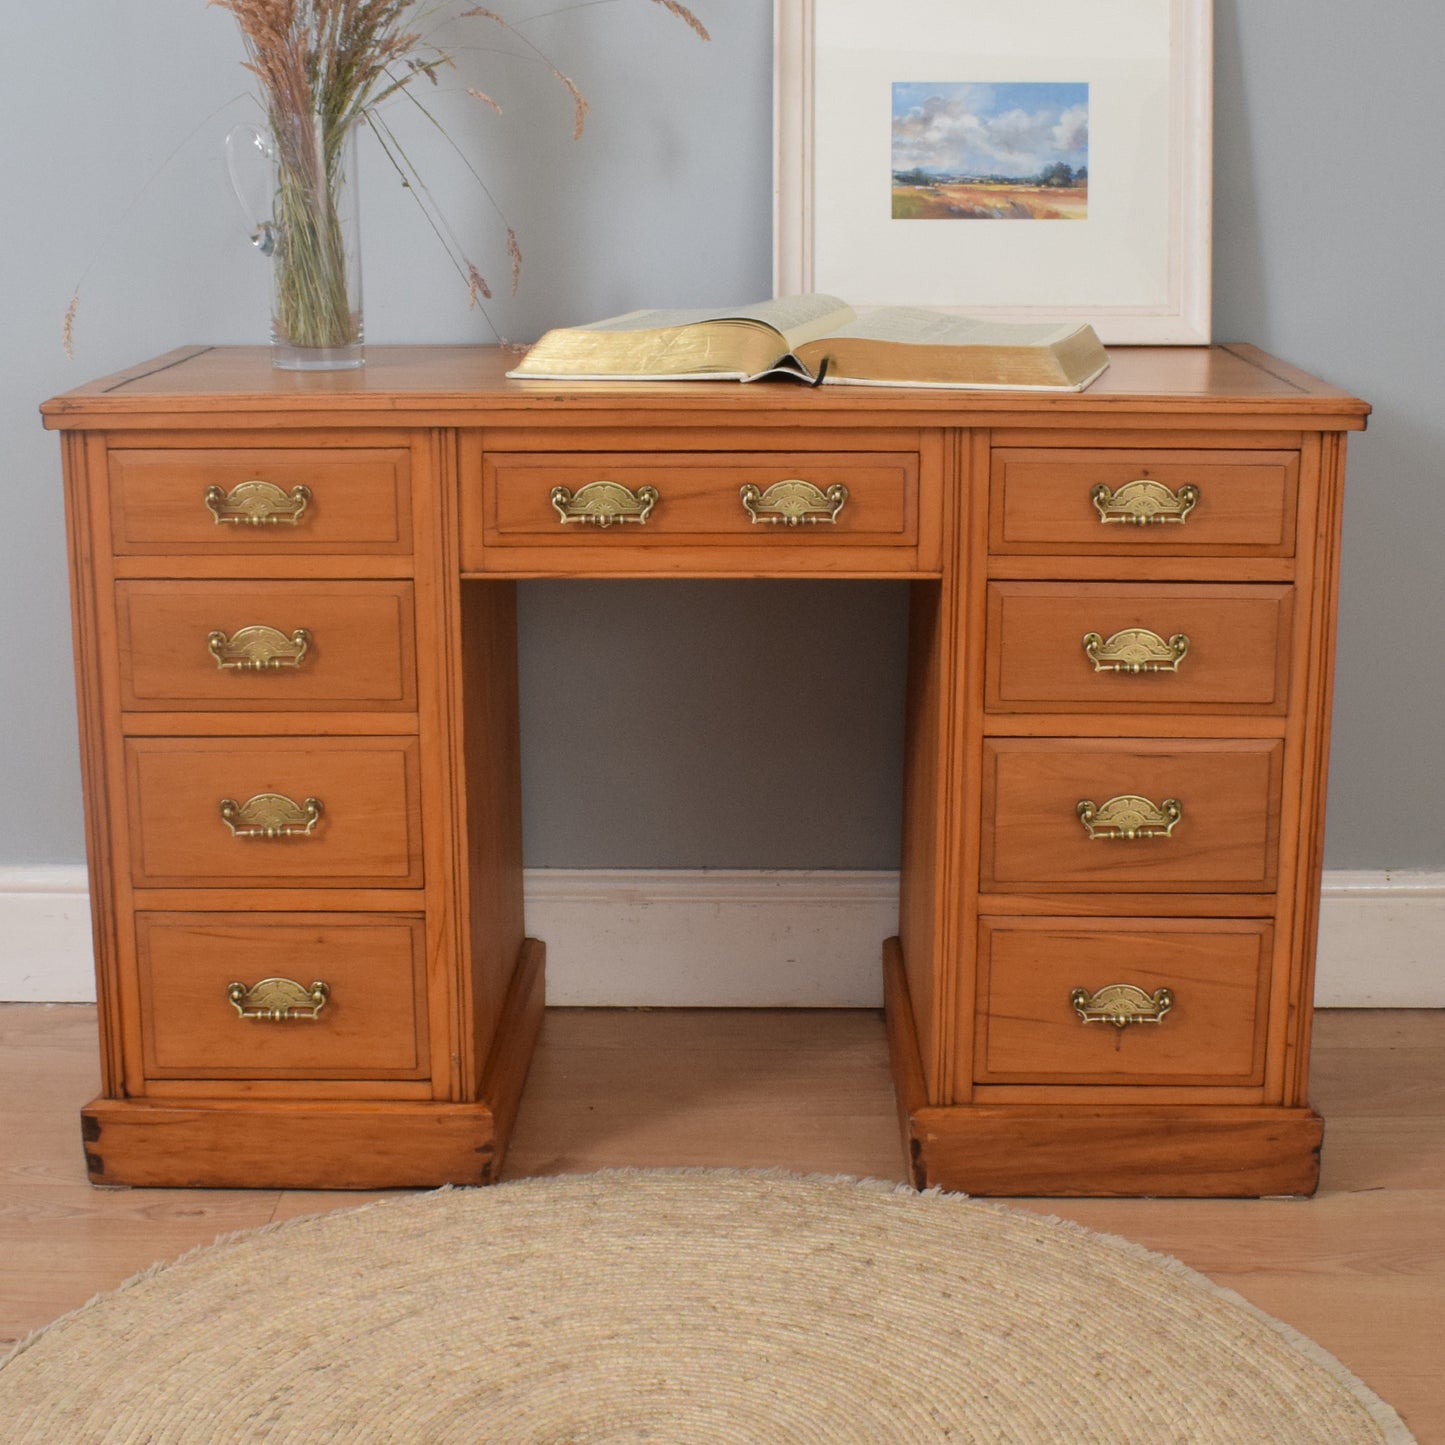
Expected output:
(296, 646)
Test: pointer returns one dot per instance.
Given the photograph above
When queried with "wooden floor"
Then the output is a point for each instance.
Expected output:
(1360, 1268)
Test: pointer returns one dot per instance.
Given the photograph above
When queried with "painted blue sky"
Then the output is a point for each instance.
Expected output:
(971, 128)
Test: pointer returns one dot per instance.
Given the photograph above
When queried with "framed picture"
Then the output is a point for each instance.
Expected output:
(1029, 160)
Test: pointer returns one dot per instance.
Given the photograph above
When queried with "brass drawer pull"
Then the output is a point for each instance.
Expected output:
(600, 504)
(257, 504)
(1127, 817)
(270, 815)
(1122, 1004)
(793, 502)
(275, 999)
(1135, 650)
(257, 647)
(1143, 503)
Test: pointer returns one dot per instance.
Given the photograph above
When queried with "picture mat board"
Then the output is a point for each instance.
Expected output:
(1138, 267)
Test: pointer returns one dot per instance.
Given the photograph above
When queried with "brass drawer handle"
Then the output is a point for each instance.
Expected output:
(257, 504)
(275, 999)
(1122, 1004)
(270, 815)
(1135, 650)
(256, 647)
(600, 504)
(1128, 817)
(793, 502)
(1144, 503)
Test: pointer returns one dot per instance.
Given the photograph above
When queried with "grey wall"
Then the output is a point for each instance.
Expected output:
(658, 735)
(1328, 251)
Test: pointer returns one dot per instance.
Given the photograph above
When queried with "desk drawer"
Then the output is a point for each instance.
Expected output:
(371, 1022)
(274, 812)
(819, 509)
(1038, 832)
(246, 646)
(1213, 973)
(247, 500)
(1122, 502)
(1118, 647)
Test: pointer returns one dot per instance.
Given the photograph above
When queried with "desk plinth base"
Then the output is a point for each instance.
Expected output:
(1020, 1150)
(313, 1144)
(212, 1144)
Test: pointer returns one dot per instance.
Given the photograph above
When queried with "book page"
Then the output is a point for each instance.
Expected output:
(919, 326)
(796, 318)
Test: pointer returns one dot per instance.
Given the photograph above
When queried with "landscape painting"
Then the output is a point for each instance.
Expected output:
(965, 151)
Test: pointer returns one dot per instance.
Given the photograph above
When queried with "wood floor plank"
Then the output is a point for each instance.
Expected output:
(757, 1089)
(62, 1240)
(1332, 1234)
(303, 1203)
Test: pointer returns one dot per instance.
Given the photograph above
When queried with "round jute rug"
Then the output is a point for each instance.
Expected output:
(689, 1307)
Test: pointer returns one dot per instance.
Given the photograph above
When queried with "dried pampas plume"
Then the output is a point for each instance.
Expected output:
(514, 252)
(685, 15)
(67, 329)
(579, 102)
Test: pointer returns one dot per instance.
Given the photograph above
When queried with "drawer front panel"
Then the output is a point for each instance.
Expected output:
(1225, 838)
(1215, 973)
(366, 830)
(359, 500)
(1044, 501)
(698, 498)
(1116, 647)
(356, 648)
(371, 1025)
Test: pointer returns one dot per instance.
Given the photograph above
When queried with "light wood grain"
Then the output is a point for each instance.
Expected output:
(371, 1026)
(369, 831)
(1226, 838)
(1042, 501)
(430, 477)
(890, 522)
(435, 385)
(1360, 1268)
(359, 498)
(1213, 1032)
(359, 648)
(1237, 657)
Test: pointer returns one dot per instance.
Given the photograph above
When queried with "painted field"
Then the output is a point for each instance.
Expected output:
(981, 201)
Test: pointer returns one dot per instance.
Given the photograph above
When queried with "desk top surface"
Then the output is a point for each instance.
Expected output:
(438, 385)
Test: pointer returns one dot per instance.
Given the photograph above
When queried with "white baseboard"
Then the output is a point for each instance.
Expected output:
(1381, 940)
(731, 938)
(45, 950)
(713, 938)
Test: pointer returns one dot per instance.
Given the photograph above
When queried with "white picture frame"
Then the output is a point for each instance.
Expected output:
(1135, 262)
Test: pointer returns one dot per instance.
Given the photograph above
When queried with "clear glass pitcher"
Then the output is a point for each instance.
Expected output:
(297, 187)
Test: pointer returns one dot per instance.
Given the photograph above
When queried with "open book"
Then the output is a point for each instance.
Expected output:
(821, 339)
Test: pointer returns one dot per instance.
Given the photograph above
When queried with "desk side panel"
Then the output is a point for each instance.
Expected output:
(491, 779)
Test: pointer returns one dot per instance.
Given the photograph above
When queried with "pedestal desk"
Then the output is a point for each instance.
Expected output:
(296, 646)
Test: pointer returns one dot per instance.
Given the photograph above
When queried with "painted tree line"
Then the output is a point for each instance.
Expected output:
(1059, 176)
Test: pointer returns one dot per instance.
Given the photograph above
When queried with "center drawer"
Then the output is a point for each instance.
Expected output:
(1130, 813)
(366, 1020)
(274, 812)
(820, 511)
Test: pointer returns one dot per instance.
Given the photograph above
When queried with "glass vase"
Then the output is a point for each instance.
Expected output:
(310, 227)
